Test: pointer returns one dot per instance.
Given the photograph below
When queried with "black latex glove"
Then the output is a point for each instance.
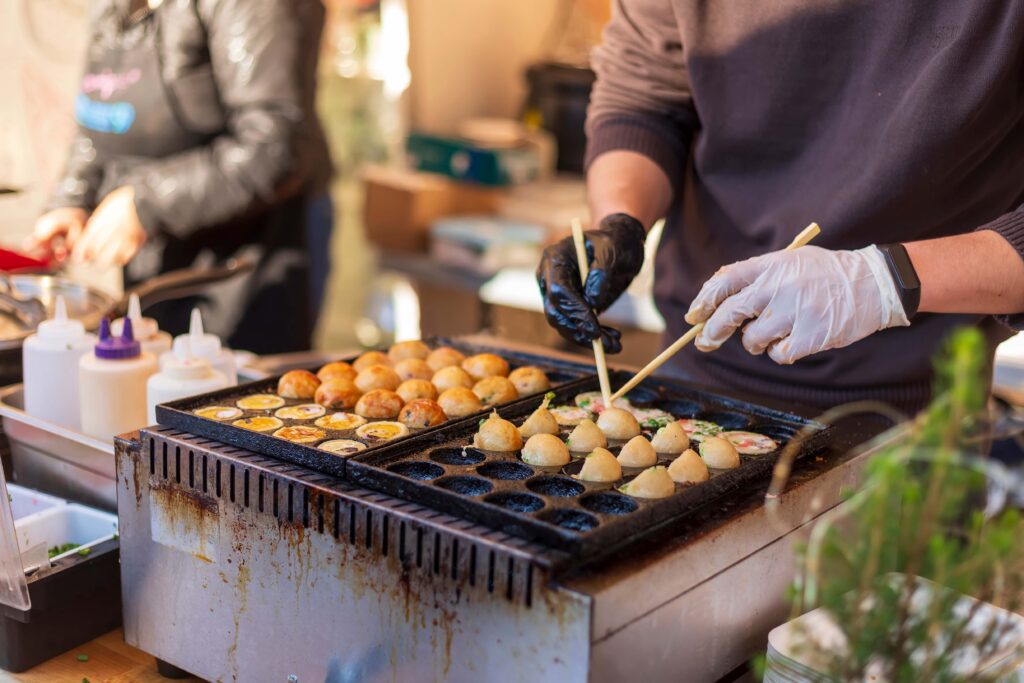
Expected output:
(615, 252)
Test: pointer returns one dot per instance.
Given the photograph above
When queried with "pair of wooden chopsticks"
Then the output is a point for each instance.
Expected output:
(805, 236)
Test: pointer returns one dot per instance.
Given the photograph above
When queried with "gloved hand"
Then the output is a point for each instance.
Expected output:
(616, 253)
(801, 302)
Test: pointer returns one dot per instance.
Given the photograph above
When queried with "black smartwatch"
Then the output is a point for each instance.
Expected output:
(903, 276)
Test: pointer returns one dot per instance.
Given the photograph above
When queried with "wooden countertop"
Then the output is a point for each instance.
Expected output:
(110, 660)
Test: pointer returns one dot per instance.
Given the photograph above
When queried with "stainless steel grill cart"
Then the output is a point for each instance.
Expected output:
(238, 567)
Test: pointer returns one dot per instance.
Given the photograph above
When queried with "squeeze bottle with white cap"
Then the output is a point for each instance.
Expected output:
(181, 375)
(147, 330)
(206, 346)
(50, 360)
(112, 384)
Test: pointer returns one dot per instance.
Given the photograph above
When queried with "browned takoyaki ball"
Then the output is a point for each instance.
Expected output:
(412, 389)
(413, 368)
(495, 390)
(452, 377)
(422, 413)
(459, 402)
(485, 365)
(379, 404)
(444, 357)
(336, 370)
(529, 380)
(408, 349)
(297, 384)
(370, 358)
(377, 377)
(338, 394)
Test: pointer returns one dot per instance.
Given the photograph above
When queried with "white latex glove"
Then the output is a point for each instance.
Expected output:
(800, 302)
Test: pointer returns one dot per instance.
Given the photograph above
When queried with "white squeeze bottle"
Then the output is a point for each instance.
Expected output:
(147, 331)
(181, 375)
(50, 360)
(112, 384)
(206, 346)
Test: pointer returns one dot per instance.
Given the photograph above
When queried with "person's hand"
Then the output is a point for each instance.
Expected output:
(113, 234)
(616, 253)
(56, 231)
(800, 302)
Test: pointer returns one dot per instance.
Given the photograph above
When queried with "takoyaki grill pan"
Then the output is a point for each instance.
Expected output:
(442, 470)
(180, 414)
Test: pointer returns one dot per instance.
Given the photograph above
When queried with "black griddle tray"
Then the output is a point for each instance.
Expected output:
(180, 415)
(442, 470)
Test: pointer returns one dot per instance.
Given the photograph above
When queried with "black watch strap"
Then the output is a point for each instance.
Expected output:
(903, 276)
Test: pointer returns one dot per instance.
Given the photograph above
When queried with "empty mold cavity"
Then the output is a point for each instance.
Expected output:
(608, 503)
(555, 486)
(505, 470)
(422, 471)
(467, 486)
(570, 519)
(519, 502)
(457, 456)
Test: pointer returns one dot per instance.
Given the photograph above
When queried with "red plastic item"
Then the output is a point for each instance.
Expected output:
(13, 261)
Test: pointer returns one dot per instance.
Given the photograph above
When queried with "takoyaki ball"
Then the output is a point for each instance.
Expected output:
(413, 368)
(541, 421)
(617, 423)
(670, 439)
(377, 377)
(600, 466)
(444, 357)
(297, 384)
(654, 482)
(450, 378)
(379, 404)
(485, 365)
(408, 349)
(529, 380)
(459, 402)
(412, 389)
(338, 394)
(638, 452)
(335, 370)
(688, 468)
(421, 413)
(545, 450)
(585, 437)
(719, 453)
(370, 358)
(495, 390)
(498, 434)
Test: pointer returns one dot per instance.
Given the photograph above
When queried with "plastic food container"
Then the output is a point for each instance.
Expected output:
(62, 602)
(26, 502)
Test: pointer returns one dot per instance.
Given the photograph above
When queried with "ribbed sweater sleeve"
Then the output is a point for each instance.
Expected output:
(641, 100)
(1011, 227)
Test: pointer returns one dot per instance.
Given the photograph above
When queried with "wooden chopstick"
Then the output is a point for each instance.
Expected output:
(805, 236)
(599, 359)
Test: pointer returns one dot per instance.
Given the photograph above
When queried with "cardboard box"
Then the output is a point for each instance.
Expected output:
(399, 205)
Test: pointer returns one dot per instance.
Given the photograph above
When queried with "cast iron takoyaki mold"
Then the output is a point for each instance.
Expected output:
(181, 415)
(443, 470)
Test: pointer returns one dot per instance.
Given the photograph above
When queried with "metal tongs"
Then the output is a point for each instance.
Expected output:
(27, 311)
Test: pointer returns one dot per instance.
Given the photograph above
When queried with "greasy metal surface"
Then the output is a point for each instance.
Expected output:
(180, 415)
(237, 567)
(586, 519)
(55, 459)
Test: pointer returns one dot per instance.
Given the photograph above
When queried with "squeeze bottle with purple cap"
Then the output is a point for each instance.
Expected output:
(112, 384)
(146, 330)
(50, 360)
